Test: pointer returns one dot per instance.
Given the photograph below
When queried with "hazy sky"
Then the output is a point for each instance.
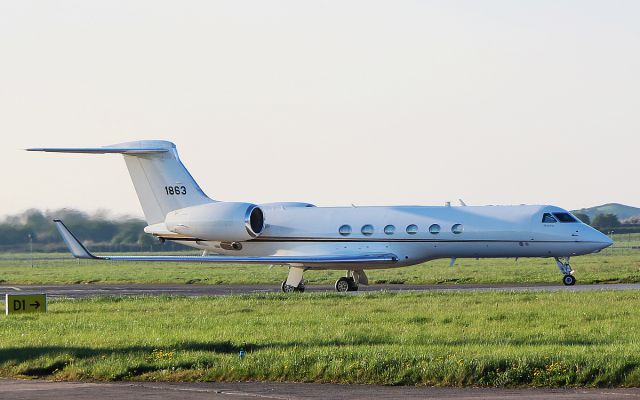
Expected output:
(330, 102)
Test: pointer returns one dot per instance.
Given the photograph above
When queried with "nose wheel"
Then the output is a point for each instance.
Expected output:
(563, 265)
(569, 280)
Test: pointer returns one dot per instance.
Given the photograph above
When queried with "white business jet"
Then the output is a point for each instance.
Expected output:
(305, 237)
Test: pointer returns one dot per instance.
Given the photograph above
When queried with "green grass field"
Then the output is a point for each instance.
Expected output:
(486, 339)
(613, 268)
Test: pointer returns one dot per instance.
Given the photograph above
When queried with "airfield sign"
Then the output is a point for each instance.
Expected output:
(25, 303)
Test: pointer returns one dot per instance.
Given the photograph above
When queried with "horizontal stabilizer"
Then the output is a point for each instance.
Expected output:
(79, 251)
(99, 150)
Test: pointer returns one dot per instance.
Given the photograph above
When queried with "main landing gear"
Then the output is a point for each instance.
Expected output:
(346, 284)
(290, 289)
(563, 264)
(294, 282)
(351, 282)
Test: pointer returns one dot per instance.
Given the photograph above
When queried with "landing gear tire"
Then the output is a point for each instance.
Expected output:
(290, 289)
(353, 287)
(569, 280)
(343, 285)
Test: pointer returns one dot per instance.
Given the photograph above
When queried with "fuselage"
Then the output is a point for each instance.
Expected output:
(418, 233)
(303, 236)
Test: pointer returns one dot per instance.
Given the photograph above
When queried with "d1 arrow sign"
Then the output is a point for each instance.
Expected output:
(25, 303)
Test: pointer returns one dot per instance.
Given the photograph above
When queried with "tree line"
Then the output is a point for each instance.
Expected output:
(606, 222)
(99, 230)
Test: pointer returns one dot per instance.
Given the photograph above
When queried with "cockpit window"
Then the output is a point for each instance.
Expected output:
(565, 217)
(548, 219)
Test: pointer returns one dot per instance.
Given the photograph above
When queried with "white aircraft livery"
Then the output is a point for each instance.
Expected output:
(305, 237)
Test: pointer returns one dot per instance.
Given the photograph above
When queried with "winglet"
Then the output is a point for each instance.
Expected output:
(75, 247)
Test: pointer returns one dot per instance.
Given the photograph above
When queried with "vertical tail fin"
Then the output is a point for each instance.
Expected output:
(161, 181)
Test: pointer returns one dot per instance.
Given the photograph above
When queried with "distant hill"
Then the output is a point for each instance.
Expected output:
(620, 210)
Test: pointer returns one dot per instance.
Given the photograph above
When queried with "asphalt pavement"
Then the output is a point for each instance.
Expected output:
(93, 290)
(45, 390)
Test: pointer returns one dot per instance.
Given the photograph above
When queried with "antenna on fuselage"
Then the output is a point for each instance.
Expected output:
(462, 203)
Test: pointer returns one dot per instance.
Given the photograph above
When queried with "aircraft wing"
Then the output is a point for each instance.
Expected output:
(78, 250)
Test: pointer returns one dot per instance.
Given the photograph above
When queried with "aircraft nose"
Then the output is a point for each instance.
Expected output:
(603, 241)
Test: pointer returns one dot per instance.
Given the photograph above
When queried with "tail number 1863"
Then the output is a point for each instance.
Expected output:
(175, 190)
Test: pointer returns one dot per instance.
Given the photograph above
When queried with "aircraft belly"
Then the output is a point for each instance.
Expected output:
(409, 253)
(256, 248)
(510, 249)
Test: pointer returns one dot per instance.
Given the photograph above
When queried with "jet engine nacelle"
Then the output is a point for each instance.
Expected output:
(221, 221)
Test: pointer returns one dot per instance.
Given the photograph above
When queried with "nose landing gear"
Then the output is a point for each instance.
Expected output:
(569, 280)
(563, 264)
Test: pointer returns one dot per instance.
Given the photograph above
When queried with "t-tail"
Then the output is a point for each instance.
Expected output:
(162, 182)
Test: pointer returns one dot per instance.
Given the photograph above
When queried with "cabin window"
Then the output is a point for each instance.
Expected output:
(565, 217)
(367, 230)
(345, 230)
(389, 229)
(434, 229)
(412, 229)
(548, 219)
(457, 229)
